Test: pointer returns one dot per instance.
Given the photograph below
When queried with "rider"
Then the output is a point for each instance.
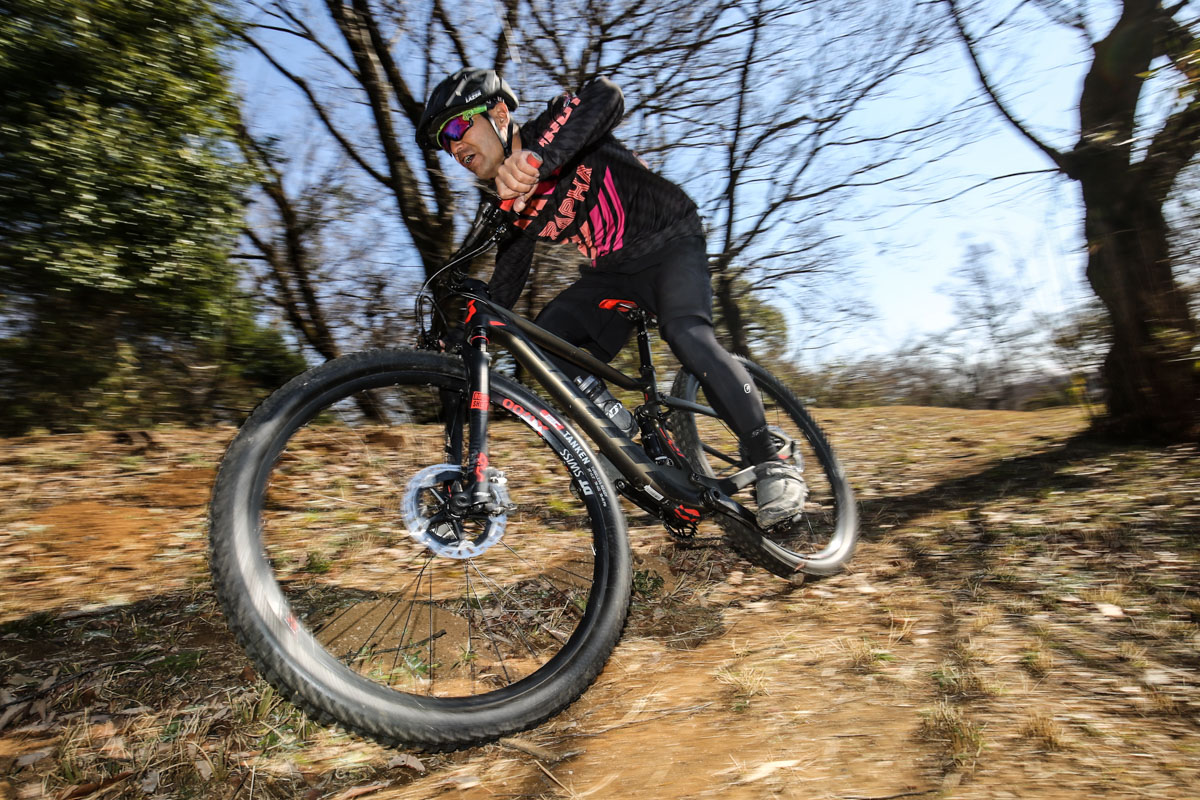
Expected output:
(641, 233)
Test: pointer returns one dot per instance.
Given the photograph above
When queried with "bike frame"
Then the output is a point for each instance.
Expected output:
(675, 494)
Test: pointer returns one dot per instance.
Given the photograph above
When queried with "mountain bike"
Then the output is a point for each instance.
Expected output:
(419, 548)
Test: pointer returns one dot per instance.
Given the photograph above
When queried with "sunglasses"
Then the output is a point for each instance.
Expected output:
(455, 128)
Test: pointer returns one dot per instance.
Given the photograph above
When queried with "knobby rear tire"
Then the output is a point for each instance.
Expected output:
(307, 539)
(823, 541)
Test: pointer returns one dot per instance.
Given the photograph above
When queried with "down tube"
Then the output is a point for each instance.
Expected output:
(627, 456)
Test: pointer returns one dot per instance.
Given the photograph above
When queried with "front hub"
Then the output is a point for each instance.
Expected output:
(433, 521)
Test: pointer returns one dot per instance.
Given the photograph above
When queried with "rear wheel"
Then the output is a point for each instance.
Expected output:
(821, 541)
(366, 602)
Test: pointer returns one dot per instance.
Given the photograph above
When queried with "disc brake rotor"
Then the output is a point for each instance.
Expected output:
(426, 513)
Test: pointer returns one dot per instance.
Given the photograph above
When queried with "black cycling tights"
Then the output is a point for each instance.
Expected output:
(673, 284)
(728, 386)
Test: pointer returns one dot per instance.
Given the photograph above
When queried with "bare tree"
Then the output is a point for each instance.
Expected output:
(288, 255)
(364, 67)
(756, 109)
(358, 43)
(1126, 174)
(793, 141)
(989, 334)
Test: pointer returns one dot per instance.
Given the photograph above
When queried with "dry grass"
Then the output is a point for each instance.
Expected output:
(862, 654)
(746, 682)
(1038, 660)
(1132, 655)
(1044, 731)
(962, 738)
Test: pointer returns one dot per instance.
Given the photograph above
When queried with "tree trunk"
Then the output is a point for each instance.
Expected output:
(1149, 371)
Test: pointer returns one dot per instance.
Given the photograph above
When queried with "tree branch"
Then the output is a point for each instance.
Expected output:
(431, 235)
(1178, 141)
(1054, 155)
(322, 114)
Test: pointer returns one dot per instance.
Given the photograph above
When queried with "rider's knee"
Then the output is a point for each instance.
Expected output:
(691, 334)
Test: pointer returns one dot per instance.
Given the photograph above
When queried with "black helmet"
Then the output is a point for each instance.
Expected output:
(464, 89)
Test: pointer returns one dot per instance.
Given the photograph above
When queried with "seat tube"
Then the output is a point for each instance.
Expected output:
(478, 362)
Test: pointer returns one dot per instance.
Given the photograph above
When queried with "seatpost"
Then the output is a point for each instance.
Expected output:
(644, 354)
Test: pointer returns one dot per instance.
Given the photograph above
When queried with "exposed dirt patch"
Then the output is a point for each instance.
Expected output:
(1021, 621)
(180, 488)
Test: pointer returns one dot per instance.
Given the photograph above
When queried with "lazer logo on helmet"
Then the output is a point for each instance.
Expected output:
(472, 96)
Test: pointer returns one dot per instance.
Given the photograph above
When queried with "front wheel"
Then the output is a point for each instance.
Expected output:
(363, 597)
(820, 542)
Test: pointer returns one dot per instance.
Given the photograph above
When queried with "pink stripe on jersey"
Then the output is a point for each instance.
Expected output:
(610, 226)
(619, 238)
(599, 229)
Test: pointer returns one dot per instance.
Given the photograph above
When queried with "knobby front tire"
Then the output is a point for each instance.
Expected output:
(823, 540)
(359, 621)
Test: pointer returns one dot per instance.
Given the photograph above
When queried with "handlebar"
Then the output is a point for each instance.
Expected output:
(533, 160)
(488, 228)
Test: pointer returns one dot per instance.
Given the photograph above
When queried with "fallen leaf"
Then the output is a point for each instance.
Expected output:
(408, 762)
(150, 782)
(359, 791)
(32, 758)
(535, 750)
(102, 730)
(84, 789)
(11, 713)
(203, 769)
(115, 748)
(1109, 610)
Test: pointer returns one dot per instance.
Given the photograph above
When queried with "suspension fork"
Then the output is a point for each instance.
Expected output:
(478, 361)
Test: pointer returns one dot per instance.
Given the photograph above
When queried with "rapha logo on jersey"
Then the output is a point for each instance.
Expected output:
(566, 209)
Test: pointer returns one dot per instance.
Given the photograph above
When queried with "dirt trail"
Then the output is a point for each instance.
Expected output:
(1020, 622)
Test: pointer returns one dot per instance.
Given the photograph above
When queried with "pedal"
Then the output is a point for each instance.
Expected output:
(785, 526)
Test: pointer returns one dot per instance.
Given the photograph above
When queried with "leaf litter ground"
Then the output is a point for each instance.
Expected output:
(1020, 621)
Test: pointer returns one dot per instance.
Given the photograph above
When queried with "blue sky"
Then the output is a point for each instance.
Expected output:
(1033, 223)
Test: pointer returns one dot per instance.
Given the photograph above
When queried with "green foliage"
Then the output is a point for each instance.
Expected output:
(647, 583)
(66, 373)
(118, 181)
(120, 196)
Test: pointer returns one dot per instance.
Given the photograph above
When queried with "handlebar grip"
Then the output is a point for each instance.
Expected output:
(533, 160)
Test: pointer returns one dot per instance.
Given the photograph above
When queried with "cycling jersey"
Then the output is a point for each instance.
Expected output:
(592, 192)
